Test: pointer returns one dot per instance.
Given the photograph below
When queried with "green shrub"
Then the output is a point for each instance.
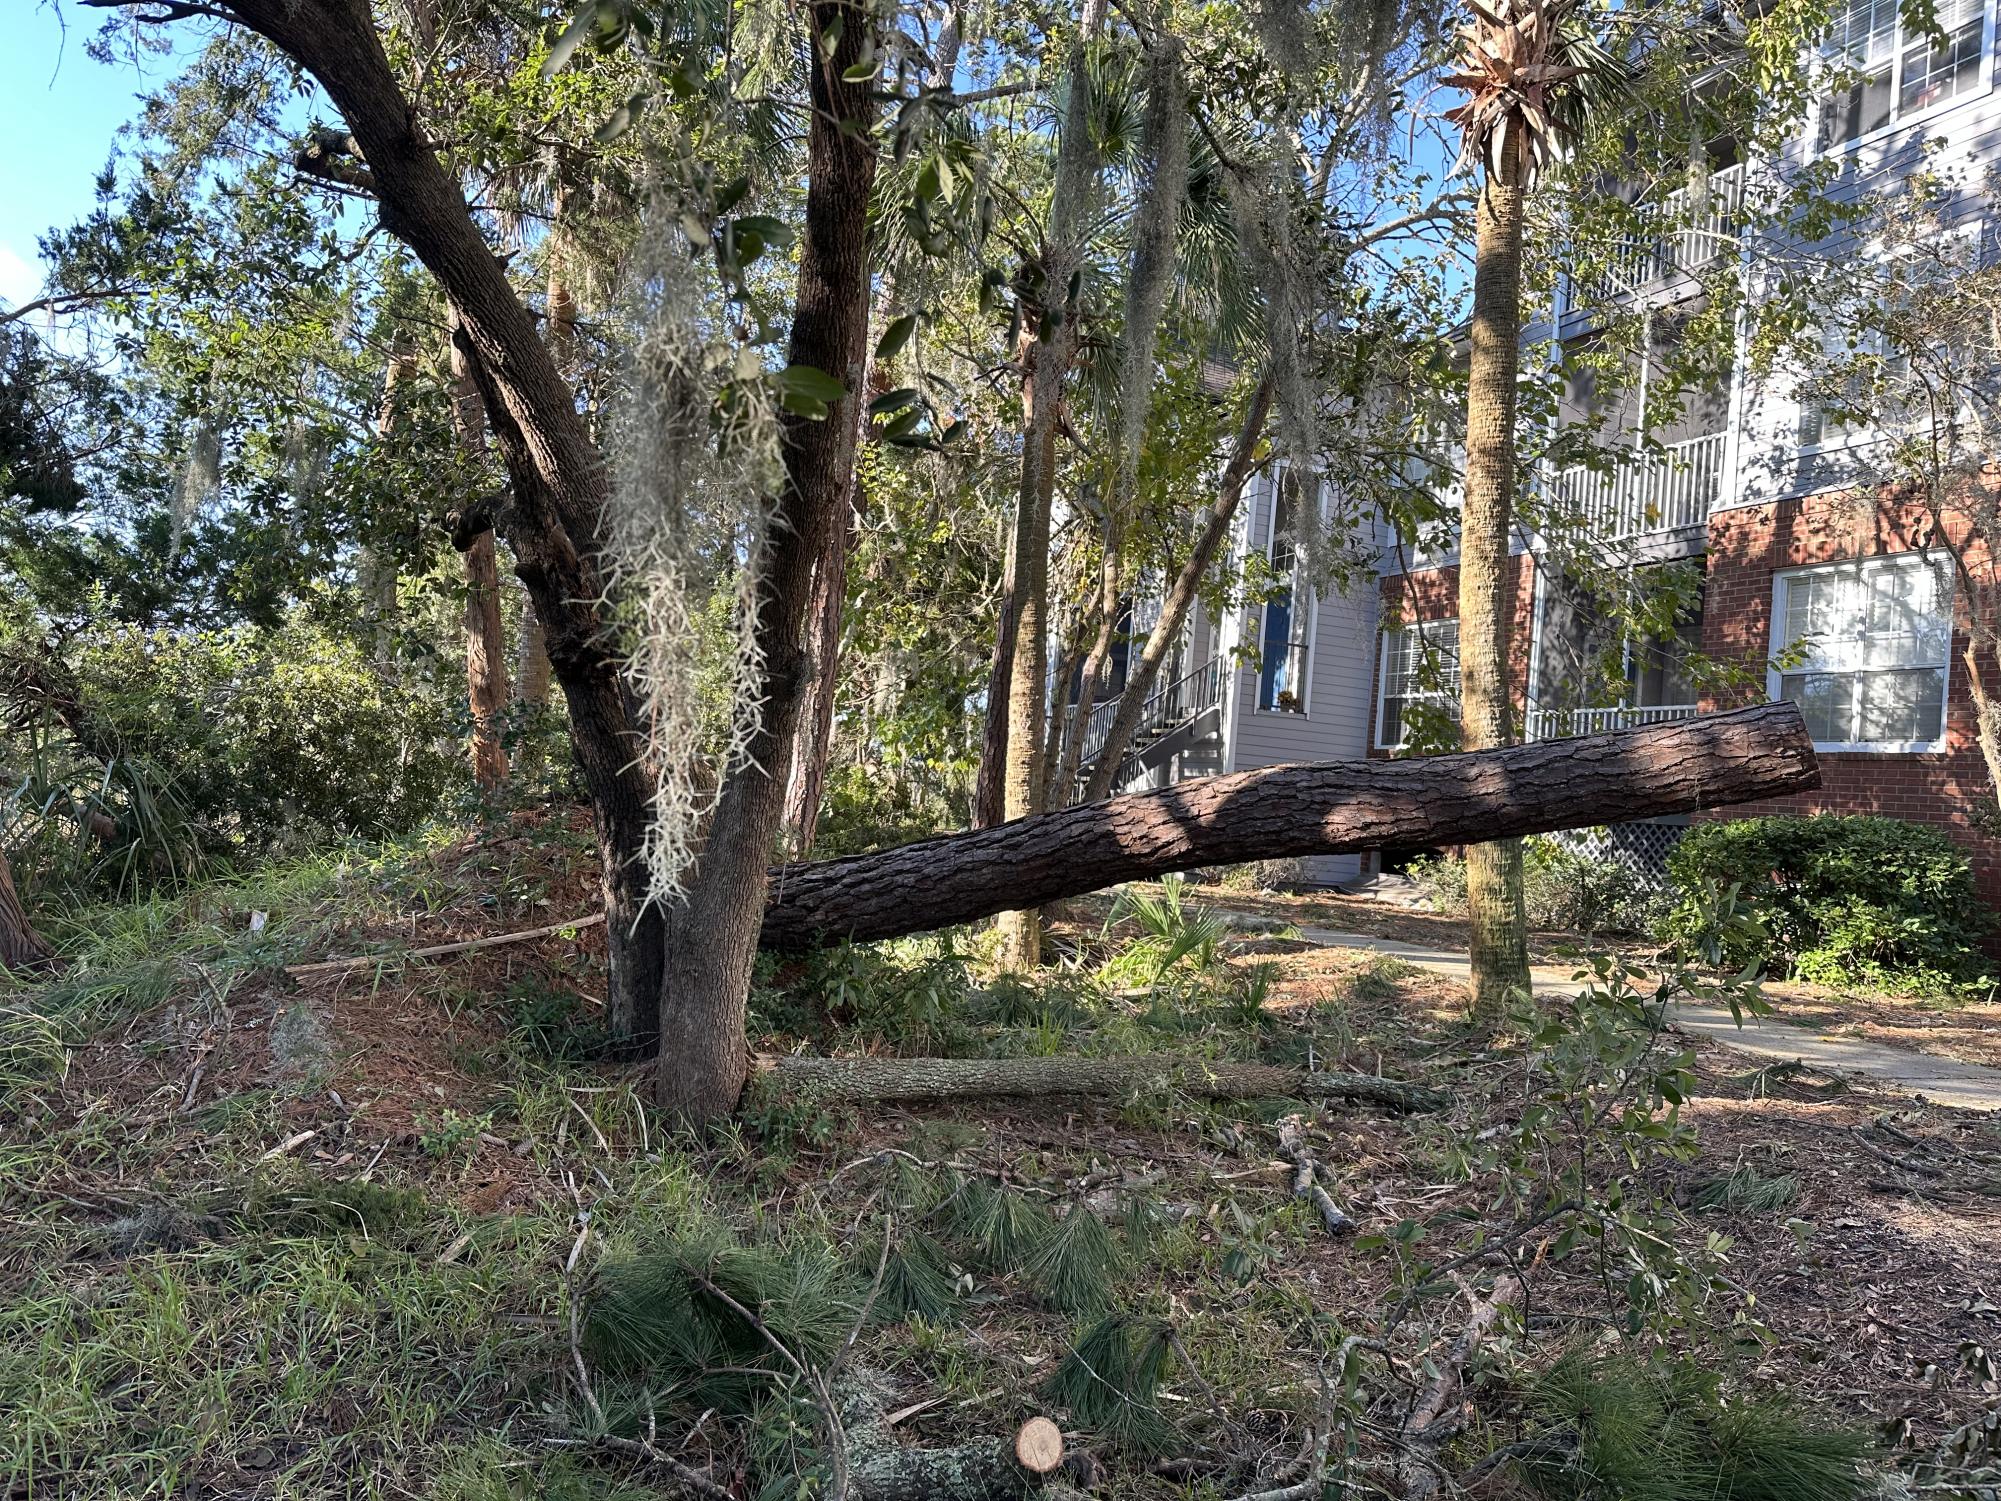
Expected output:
(1839, 899)
(1563, 890)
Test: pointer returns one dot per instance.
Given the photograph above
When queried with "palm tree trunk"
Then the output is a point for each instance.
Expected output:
(1045, 361)
(1097, 665)
(1496, 919)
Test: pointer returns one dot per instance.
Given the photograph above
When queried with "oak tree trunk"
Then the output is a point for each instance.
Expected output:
(1281, 812)
(1496, 920)
(712, 936)
(557, 478)
(21, 947)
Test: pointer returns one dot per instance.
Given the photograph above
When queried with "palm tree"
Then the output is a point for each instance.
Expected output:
(1531, 75)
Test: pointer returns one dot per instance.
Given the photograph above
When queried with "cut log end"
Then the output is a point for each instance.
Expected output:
(1038, 1446)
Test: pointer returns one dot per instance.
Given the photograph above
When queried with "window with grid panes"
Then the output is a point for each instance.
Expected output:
(1407, 681)
(1891, 69)
(1877, 636)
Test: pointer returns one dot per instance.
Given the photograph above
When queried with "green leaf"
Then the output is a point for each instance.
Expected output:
(573, 37)
(892, 401)
(896, 336)
(773, 231)
(805, 380)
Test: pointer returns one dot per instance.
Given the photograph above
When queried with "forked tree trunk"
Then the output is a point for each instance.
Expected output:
(1281, 812)
(485, 637)
(1496, 921)
(21, 947)
(712, 936)
(1186, 589)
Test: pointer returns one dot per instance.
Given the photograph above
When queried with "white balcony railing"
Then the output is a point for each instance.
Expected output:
(1659, 494)
(1681, 231)
(1565, 724)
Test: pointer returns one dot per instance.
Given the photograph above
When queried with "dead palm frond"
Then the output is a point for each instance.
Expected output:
(1533, 74)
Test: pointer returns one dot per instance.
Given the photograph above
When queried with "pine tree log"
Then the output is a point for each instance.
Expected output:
(1281, 812)
(885, 1080)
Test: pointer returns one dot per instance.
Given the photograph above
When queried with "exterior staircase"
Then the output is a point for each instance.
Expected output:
(1175, 717)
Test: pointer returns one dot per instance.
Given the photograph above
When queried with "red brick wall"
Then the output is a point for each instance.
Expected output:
(1433, 594)
(1747, 546)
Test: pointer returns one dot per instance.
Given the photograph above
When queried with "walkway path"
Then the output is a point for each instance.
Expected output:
(1945, 1081)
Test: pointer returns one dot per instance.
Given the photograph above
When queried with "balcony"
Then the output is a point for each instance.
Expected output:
(1567, 724)
(1662, 493)
(1682, 231)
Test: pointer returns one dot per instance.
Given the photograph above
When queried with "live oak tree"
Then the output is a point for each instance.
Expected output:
(777, 354)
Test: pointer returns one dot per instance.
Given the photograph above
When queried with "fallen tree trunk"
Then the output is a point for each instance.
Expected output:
(887, 1079)
(1281, 812)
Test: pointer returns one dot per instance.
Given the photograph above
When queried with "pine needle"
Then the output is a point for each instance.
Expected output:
(1078, 1265)
(1110, 1382)
(1004, 1228)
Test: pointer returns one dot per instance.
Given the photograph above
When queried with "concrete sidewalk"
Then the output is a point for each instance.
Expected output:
(1944, 1081)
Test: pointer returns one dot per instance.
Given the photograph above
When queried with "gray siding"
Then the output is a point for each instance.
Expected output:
(1340, 686)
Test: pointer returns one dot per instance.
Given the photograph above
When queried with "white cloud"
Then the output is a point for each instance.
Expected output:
(20, 280)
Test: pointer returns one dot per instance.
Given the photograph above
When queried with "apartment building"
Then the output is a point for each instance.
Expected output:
(1769, 490)
(1755, 482)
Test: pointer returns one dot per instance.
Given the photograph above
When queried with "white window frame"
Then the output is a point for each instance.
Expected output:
(1395, 634)
(1900, 43)
(1863, 566)
(1310, 623)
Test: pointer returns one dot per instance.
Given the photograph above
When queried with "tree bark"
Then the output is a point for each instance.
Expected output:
(1496, 919)
(21, 947)
(1280, 812)
(882, 1080)
(1143, 674)
(712, 936)
(1050, 344)
(807, 783)
(485, 637)
(558, 479)
(1096, 676)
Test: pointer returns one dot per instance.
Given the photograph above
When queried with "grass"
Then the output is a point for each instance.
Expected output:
(190, 1305)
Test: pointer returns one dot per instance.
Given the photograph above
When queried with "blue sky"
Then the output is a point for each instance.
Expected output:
(59, 113)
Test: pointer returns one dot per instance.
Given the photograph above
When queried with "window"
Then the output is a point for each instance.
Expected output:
(1876, 636)
(1288, 623)
(1420, 666)
(1838, 405)
(1890, 70)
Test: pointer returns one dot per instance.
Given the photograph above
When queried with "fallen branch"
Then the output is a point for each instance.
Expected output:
(437, 950)
(1307, 1171)
(1435, 1415)
(881, 1080)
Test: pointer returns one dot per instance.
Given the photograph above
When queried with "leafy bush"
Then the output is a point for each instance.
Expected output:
(1564, 891)
(174, 747)
(1839, 899)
